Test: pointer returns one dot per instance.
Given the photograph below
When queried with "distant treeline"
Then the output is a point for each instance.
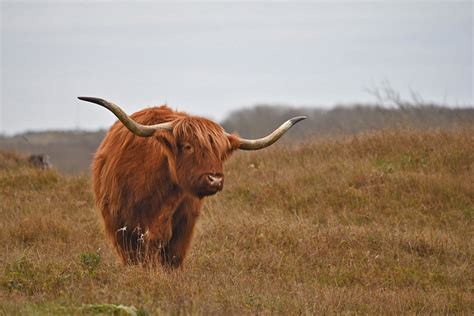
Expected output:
(72, 151)
(261, 119)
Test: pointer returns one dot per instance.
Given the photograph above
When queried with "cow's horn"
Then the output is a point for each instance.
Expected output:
(136, 128)
(255, 144)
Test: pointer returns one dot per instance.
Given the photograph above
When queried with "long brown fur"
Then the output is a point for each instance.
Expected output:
(150, 190)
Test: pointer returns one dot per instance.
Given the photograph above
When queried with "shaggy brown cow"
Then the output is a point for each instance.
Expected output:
(149, 184)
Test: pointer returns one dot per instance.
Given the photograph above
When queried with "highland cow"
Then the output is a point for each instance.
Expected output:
(150, 176)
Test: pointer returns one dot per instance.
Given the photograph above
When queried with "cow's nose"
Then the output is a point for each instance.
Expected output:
(215, 180)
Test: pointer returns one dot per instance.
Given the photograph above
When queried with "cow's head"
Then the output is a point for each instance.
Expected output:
(197, 146)
(200, 146)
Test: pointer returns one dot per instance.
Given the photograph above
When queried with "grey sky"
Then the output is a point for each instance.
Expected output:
(211, 58)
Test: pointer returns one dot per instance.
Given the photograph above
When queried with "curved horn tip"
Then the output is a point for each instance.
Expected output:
(90, 99)
(297, 119)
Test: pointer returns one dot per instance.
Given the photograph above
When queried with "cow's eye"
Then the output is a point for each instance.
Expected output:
(187, 147)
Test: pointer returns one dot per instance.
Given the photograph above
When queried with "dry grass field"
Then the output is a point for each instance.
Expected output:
(377, 223)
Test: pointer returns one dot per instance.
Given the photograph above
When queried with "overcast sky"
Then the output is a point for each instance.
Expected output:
(211, 58)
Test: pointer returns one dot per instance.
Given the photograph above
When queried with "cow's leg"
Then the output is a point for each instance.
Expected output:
(129, 245)
(125, 239)
(141, 241)
(184, 220)
(159, 225)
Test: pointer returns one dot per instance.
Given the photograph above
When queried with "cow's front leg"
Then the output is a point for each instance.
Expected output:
(161, 231)
(160, 227)
(184, 220)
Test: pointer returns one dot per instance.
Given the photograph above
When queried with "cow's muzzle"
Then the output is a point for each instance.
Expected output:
(213, 183)
(215, 180)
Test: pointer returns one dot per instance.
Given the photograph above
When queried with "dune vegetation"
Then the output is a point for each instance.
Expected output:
(379, 223)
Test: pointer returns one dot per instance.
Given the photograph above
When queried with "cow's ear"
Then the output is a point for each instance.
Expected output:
(234, 142)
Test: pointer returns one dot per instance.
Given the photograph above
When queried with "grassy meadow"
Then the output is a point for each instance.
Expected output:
(377, 223)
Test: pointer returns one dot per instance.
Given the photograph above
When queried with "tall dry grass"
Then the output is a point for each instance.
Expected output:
(373, 223)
